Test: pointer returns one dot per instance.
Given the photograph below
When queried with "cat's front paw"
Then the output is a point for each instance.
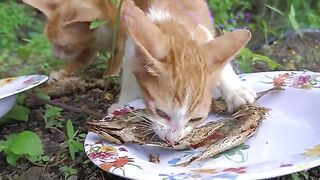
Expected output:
(238, 96)
(113, 107)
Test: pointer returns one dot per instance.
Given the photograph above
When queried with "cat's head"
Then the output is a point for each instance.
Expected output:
(175, 73)
(68, 24)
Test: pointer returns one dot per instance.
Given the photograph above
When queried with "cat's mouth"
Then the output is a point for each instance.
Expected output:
(65, 56)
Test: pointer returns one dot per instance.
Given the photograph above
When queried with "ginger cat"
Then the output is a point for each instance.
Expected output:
(67, 29)
(173, 63)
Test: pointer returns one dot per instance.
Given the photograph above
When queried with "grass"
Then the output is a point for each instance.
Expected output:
(24, 50)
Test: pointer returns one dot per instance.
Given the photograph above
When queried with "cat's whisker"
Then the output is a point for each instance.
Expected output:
(147, 134)
(145, 123)
(141, 116)
(141, 130)
(149, 119)
(147, 130)
(155, 134)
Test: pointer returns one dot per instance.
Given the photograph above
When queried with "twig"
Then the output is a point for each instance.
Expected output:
(68, 107)
(47, 164)
(262, 93)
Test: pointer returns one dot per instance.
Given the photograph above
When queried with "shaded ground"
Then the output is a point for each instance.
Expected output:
(292, 52)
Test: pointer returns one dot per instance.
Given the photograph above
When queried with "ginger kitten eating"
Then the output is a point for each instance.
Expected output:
(68, 30)
(173, 64)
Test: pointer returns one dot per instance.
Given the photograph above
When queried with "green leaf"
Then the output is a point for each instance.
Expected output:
(18, 112)
(68, 171)
(78, 146)
(74, 147)
(275, 9)
(295, 176)
(293, 21)
(20, 98)
(72, 150)
(53, 123)
(271, 63)
(34, 158)
(12, 159)
(45, 158)
(52, 111)
(27, 143)
(114, 2)
(70, 129)
(2, 147)
(97, 23)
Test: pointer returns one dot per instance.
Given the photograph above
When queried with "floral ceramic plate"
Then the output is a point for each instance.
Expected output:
(15, 85)
(287, 141)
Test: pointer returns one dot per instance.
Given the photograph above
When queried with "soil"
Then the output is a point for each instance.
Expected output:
(292, 52)
(54, 140)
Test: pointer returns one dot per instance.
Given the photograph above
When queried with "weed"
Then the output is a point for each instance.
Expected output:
(68, 171)
(53, 117)
(291, 18)
(74, 141)
(14, 147)
(247, 59)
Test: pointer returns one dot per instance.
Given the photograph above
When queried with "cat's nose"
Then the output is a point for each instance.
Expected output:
(171, 140)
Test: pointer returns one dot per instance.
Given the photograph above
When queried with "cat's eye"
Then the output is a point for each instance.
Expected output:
(196, 119)
(163, 114)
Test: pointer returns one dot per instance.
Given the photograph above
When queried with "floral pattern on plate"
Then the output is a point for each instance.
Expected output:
(287, 141)
(111, 158)
(296, 80)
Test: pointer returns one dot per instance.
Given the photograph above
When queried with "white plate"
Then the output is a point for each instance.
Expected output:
(288, 140)
(9, 87)
(15, 85)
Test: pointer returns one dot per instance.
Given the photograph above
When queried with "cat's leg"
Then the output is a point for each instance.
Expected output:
(234, 91)
(129, 87)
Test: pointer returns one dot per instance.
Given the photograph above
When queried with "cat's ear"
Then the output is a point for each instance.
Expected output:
(223, 49)
(85, 13)
(45, 6)
(144, 32)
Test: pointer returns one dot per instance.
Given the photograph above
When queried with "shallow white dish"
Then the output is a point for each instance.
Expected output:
(9, 87)
(288, 140)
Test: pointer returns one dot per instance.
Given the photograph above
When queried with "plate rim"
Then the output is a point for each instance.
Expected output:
(44, 78)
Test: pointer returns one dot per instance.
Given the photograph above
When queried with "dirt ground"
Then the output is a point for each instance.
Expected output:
(294, 52)
(291, 52)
